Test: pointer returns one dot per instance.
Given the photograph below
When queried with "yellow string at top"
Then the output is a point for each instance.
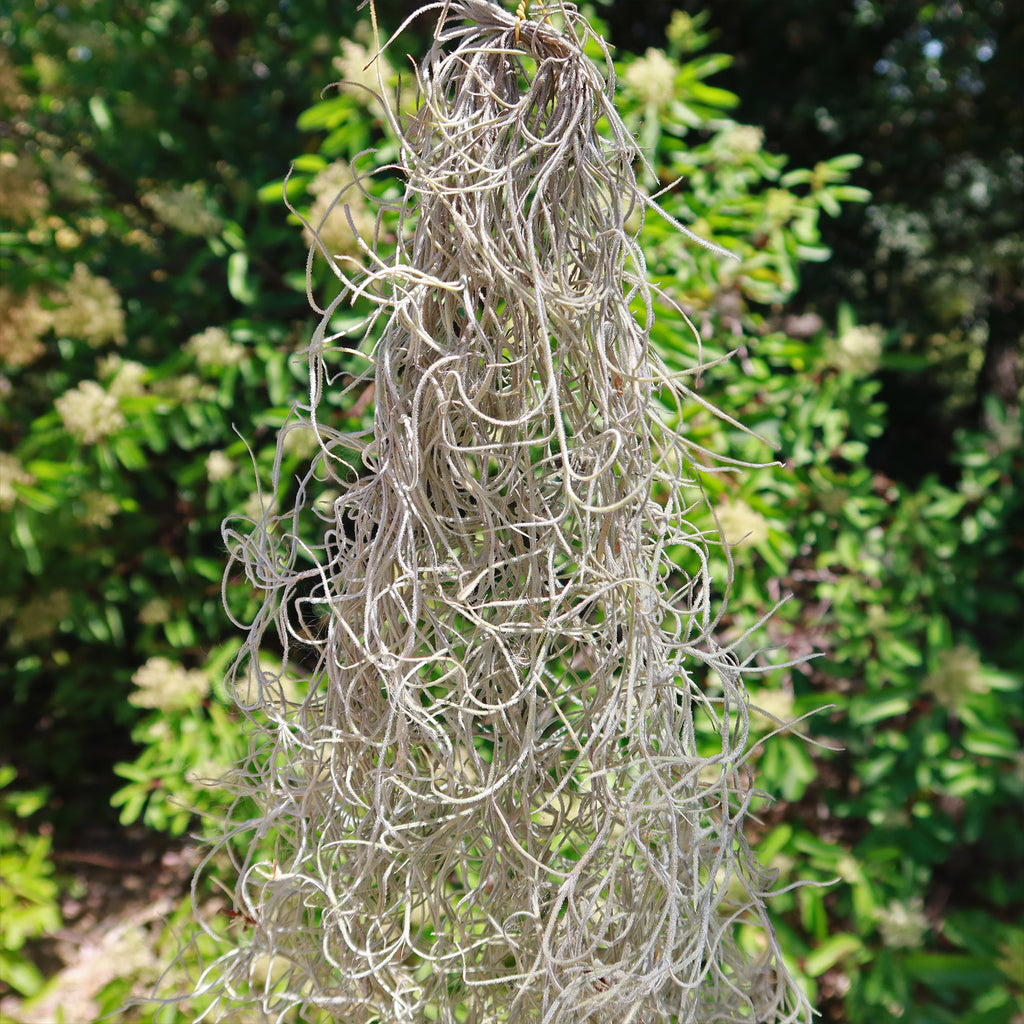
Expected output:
(521, 15)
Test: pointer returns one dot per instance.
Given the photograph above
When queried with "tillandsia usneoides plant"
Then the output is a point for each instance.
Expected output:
(483, 789)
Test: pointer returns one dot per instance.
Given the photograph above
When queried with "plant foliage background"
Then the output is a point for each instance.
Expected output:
(151, 304)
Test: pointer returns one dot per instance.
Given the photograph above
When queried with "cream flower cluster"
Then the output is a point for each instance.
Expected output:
(358, 74)
(25, 194)
(903, 925)
(184, 388)
(11, 472)
(652, 77)
(37, 619)
(100, 509)
(774, 705)
(741, 525)
(167, 686)
(155, 611)
(682, 30)
(90, 309)
(958, 677)
(219, 467)
(300, 442)
(214, 347)
(857, 350)
(329, 218)
(72, 179)
(186, 209)
(743, 139)
(127, 378)
(89, 412)
(23, 321)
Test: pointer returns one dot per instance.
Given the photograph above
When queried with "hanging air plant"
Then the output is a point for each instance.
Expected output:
(503, 773)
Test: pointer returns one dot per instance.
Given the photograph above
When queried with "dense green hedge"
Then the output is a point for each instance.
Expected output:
(153, 309)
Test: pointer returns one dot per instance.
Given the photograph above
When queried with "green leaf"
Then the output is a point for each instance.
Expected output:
(865, 710)
(179, 633)
(35, 499)
(706, 66)
(831, 951)
(713, 96)
(27, 542)
(238, 284)
(275, 191)
(134, 801)
(128, 453)
(327, 114)
(901, 652)
(787, 768)
(775, 842)
(991, 742)
(234, 235)
(846, 162)
(30, 802)
(209, 568)
(309, 163)
(951, 969)
(851, 194)
(829, 203)
(100, 112)
(21, 974)
(796, 177)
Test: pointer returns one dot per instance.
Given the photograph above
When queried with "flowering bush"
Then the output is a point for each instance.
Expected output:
(910, 590)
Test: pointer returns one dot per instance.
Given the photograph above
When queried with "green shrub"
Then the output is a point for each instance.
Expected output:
(29, 905)
(153, 300)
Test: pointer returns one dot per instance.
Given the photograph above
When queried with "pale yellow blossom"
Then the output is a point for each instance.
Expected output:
(682, 30)
(71, 178)
(90, 309)
(66, 237)
(39, 617)
(958, 677)
(219, 467)
(129, 377)
(214, 347)
(358, 74)
(155, 611)
(187, 209)
(25, 196)
(857, 350)
(652, 77)
(300, 441)
(903, 925)
(182, 388)
(329, 218)
(164, 684)
(100, 509)
(774, 705)
(743, 139)
(89, 413)
(12, 472)
(13, 94)
(741, 525)
(779, 205)
(256, 506)
(23, 322)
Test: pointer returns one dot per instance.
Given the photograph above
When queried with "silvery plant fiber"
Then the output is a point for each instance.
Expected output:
(502, 775)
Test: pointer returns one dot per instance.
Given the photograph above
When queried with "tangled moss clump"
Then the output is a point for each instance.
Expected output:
(482, 772)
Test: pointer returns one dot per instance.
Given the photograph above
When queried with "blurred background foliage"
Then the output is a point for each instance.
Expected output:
(865, 161)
